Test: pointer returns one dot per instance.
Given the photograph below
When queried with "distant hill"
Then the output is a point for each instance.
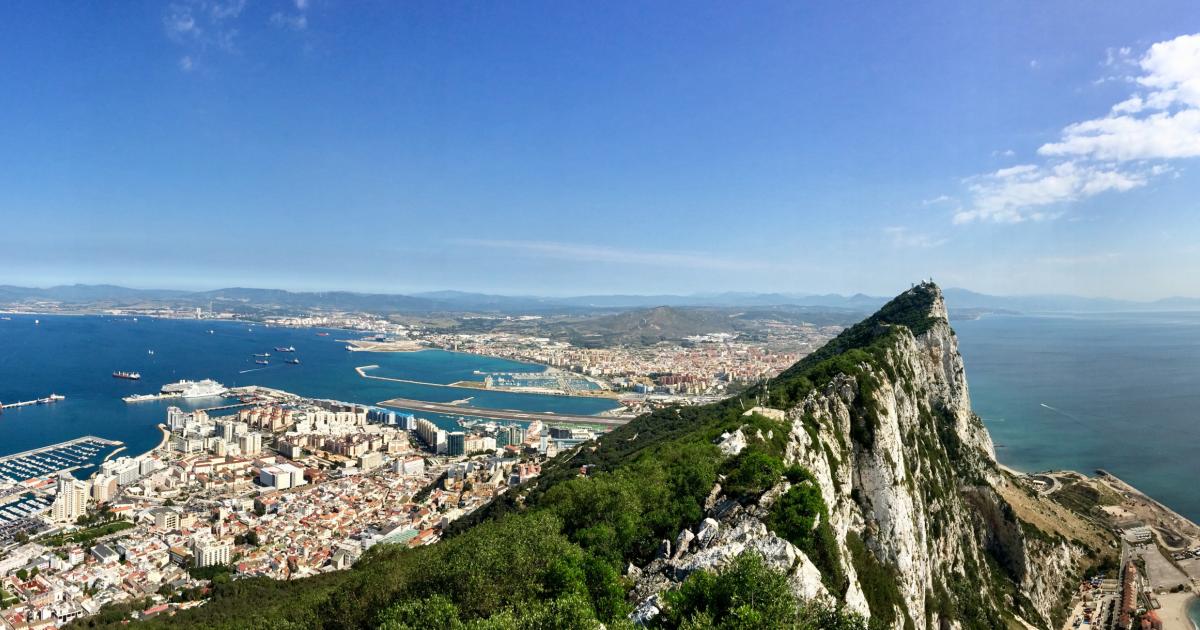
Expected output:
(647, 326)
(242, 299)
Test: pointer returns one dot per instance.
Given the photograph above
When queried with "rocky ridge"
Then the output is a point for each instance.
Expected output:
(908, 475)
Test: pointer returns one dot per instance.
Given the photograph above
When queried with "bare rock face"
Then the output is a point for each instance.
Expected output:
(906, 471)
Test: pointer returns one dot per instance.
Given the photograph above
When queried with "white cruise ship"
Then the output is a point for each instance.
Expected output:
(207, 388)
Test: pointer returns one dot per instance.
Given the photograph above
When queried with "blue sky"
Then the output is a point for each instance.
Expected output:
(568, 148)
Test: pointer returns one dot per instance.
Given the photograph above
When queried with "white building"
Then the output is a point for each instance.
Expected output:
(207, 552)
(71, 500)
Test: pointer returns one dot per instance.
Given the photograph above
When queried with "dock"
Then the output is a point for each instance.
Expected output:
(52, 398)
(503, 414)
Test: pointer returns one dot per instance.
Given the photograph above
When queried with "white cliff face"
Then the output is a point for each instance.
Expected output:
(905, 466)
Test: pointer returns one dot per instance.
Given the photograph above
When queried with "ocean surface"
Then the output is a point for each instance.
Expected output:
(76, 356)
(1116, 391)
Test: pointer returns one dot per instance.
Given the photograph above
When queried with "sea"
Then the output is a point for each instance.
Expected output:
(1119, 392)
(75, 356)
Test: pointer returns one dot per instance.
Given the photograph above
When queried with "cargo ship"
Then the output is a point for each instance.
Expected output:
(263, 355)
(133, 376)
(287, 349)
(294, 361)
(262, 361)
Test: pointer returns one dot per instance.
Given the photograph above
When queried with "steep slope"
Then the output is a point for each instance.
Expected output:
(859, 478)
(881, 418)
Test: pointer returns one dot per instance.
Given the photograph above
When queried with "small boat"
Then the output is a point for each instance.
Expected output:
(150, 352)
(211, 331)
(294, 361)
(262, 362)
(322, 334)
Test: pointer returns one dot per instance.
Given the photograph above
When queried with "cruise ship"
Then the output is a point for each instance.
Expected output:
(206, 388)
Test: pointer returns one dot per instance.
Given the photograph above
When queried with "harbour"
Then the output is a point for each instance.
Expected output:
(54, 458)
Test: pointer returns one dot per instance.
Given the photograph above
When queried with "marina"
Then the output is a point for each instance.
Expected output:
(48, 460)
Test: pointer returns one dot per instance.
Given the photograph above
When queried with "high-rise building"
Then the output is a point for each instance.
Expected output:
(104, 487)
(70, 502)
(176, 418)
(456, 443)
(250, 443)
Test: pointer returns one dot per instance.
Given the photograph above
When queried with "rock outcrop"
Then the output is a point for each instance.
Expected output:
(906, 471)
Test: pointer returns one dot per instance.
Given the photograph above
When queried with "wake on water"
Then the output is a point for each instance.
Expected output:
(1063, 413)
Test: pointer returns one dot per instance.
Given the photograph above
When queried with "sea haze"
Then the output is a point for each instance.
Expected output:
(1118, 391)
(75, 356)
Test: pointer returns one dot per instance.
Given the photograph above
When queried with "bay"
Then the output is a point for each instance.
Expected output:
(76, 355)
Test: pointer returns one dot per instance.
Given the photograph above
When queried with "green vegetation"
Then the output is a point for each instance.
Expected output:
(746, 595)
(213, 572)
(801, 517)
(879, 585)
(86, 536)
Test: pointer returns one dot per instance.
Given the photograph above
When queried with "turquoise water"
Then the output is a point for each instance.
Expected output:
(75, 356)
(1193, 612)
(1119, 392)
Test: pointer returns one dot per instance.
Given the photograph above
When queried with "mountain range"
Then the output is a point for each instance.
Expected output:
(276, 300)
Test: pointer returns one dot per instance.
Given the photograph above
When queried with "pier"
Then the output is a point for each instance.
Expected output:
(52, 398)
(503, 414)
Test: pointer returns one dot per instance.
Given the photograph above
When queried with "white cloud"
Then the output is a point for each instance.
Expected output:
(1031, 193)
(1162, 122)
(904, 237)
(294, 22)
(297, 21)
(581, 252)
(186, 63)
(940, 199)
(1120, 151)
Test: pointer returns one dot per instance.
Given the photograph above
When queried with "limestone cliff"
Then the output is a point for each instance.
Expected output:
(882, 420)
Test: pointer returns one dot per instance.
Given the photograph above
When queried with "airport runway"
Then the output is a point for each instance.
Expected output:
(503, 414)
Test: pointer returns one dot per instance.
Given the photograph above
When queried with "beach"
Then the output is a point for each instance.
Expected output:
(1174, 610)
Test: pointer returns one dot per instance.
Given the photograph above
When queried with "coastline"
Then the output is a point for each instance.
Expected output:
(1174, 610)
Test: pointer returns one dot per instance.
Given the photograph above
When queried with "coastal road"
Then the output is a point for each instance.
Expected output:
(503, 414)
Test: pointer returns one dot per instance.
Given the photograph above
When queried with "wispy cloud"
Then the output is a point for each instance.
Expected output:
(293, 20)
(200, 26)
(1086, 259)
(1123, 150)
(907, 238)
(582, 252)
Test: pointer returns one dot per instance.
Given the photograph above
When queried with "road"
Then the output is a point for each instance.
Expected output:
(502, 414)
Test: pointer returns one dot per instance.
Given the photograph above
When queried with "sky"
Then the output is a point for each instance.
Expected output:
(565, 148)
